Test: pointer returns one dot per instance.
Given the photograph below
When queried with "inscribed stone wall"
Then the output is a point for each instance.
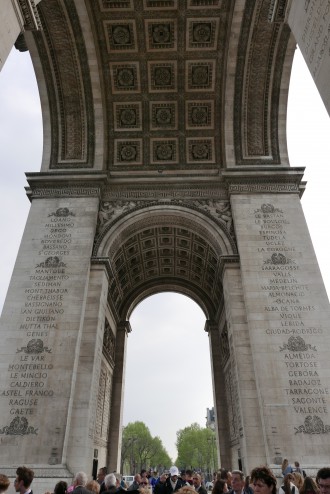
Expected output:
(40, 329)
(288, 318)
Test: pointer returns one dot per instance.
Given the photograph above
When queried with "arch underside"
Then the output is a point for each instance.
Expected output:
(163, 86)
(161, 249)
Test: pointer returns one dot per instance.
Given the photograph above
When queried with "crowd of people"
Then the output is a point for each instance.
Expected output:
(261, 481)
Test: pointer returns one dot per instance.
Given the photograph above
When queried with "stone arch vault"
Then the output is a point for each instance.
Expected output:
(164, 167)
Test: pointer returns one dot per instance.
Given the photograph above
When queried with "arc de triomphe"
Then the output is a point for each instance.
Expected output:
(164, 167)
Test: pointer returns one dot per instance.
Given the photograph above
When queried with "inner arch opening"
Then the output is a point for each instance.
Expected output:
(168, 383)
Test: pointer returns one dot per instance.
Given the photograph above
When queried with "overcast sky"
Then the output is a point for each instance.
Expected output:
(168, 364)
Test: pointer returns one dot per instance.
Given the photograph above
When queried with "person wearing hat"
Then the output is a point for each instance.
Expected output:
(173, 483)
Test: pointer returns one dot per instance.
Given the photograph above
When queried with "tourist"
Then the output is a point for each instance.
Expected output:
(297, 468)
(286, 467)
(136, 483)
(172, 483)
(309, 486)
(110, 482)
(298, 480)
(93, 486)
(323, 480)
(220, 487)
(100, 478)
(189, 478)
(79, 483)
(23, 481)
(197, 481)
(4, 483)
(238, 482)
(263, 480)
(288, 486)
(160, 484)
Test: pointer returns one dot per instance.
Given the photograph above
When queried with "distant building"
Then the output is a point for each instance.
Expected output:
(210, 418)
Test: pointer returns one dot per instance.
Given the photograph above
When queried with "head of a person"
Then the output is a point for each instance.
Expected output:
(323, 480)
(219, 487)
(189, 474)
(137, 478)
(288, 479)
(80, 479)
(60, 487)
(93, 486)
(24, 478)
(237, 481)
(155, 474)
(110, 481)
(229, 478)
(144, 482)
(101, 474)
(285, 464)
(163, 477)
(197, 479)
(143, 474)
(263, 480)
(183, 475)
(298, 480)
(310, 485)
(296, 464)
(4, 483)
(174, 473)
(186, 489)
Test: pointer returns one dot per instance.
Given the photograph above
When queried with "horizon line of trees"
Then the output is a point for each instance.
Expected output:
(196, 447)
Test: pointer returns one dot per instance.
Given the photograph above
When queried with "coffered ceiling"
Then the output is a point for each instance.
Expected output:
(146, 86)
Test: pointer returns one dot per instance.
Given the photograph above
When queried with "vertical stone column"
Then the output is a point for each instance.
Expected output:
(42, 329)
(219, 393)
(287, 312)
(79, 443)
(118, 382)
(243, 406)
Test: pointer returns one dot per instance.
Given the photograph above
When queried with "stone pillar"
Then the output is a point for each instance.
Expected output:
(243, 407)
(81, 423)
(16, 16)
(42, 330)
(288, 317)
(219, 394)
(117, 402)
(309, 22)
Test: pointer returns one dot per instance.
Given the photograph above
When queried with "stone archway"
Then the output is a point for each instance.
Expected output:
(164, 133)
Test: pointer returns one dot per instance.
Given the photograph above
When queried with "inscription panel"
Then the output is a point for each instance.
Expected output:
(40, 335)
(288, 318)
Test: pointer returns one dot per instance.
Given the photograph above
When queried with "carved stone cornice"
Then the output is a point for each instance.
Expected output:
(53, 184)
(265, 180)
(225, 261)
(157, 191)
(30, 15)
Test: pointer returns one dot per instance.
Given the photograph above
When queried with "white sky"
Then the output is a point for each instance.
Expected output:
(168, 379)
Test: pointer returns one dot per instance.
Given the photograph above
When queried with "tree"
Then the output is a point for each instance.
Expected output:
(140, 449)
(196, 448)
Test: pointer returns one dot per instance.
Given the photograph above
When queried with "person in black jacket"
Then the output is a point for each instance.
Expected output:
(173, 483)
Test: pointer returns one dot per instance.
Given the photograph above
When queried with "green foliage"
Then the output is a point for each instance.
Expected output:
(196, 448)
(141, 450)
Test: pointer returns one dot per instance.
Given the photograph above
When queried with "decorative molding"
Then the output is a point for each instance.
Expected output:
(278, 11)
(67, 75)
(165, 191)
(254, 187)
(83, 190)
(109, 344)
(30, 15)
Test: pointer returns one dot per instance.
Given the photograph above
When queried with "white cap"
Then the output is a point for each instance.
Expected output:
(174, 471)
